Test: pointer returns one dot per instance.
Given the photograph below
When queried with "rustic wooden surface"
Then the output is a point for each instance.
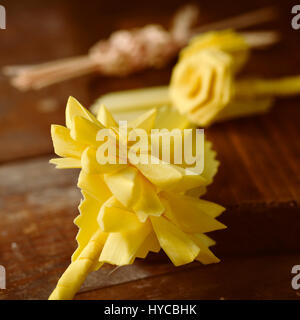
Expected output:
(258, 180)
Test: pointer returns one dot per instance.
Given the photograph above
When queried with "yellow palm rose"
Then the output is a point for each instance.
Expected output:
(202, 81)
(201, 85)
(131, 209)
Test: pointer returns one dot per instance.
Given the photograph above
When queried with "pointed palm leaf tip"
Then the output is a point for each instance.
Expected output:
(129, 210)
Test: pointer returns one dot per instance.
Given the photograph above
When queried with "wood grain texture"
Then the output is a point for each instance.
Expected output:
(236, 278)
(258, 180)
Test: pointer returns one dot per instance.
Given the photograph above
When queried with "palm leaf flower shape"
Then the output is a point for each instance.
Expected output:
(203, 80)
(204, 87)
(130, 209)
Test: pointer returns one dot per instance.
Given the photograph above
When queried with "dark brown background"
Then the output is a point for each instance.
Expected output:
(258, 180)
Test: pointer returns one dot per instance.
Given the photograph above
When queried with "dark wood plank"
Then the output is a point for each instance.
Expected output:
(260, 157)
(267, 277)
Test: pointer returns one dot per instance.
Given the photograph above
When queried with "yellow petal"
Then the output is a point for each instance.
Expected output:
(120, 248)
(177, 245)
(150, 244)
(196, 192)
(89, 161)
(171, 177)
(105, 117)
(205, 255)
(212, 209)
(190, 83)
(90, 164)
(210, 163)
(123, 186)
(73, 109)
(87, 224)
(134, 192)
(63, 144)
(145, 121)
(114, 217)
(94, 185)
(188, 181)
(148, 202)
(66, 163)
(185, 178)
(207, 241)
(169, 118)
(142, 252)
(163, 174)
(85, 131)
(221, 88)
(193, 215)
(225, 40)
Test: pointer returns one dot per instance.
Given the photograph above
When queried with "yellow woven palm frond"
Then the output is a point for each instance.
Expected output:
(130, 209)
